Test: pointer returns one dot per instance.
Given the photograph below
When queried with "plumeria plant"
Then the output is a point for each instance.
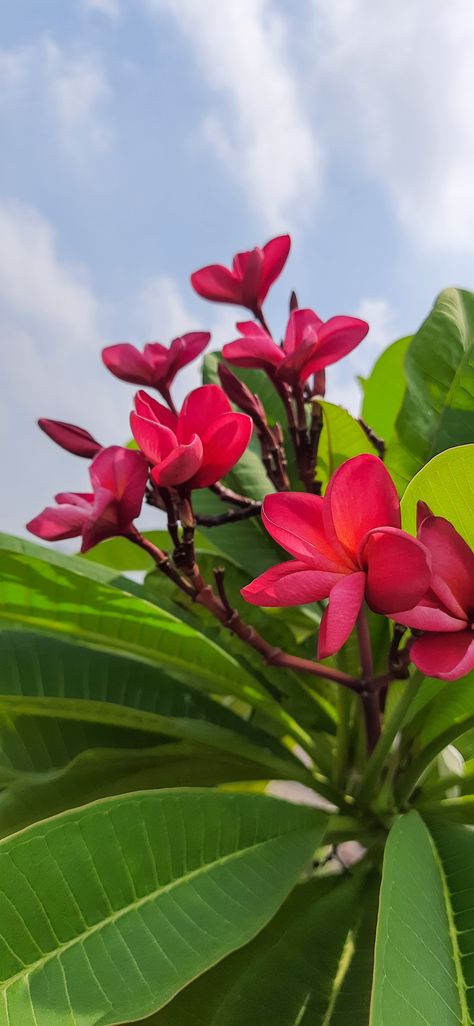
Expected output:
(237, 751)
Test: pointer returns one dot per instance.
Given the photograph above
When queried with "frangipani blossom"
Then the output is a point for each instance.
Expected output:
(158, 365)
(446, 613)
(196, 448)
(309, 346)
(347, 545)
(118, 477)
(252, 274)
(71, 437)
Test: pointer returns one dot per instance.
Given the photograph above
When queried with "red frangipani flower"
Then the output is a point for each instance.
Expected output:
(118, 477)
(196, 448)
(156, 366)
(347, 546)
(71, 437)
(446, 612)
(252, 274)
(309, 346)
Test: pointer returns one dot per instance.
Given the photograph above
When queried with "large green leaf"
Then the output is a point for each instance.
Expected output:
(108, 911)
(100, 773)
(424, 967)
(38, 593)
(446, 483)
(287, 974)
(384, 388)
(438, 409)
(47, 677)
(341, 438)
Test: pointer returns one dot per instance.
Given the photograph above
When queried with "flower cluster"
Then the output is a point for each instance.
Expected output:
(347, 547)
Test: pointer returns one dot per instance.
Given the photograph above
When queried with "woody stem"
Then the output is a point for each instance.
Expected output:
(370, 700)
(194, 586)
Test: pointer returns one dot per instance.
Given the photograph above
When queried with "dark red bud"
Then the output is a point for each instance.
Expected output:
(71, 437)
(239, 394)
(293, 301)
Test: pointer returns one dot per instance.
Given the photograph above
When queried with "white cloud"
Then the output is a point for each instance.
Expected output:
(264, 139)
(109, 7)
(73, 93)
(399, 81)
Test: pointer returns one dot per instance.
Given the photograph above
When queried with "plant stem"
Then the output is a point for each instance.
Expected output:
(370, 701)
(389, 733)
(198, 590)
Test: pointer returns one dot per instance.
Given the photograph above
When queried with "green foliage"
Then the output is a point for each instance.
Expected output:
(438, 407)
(446, 484)
(161, 886)
(145, 871)
(384, 388)
(423, 955)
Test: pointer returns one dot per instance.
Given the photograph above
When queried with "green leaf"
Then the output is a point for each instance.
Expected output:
(99, 773)
(341, 438)
(108, 911)
(446, 718)
(384, 388)
(438, 409)
(424, 970)
(40, 593)
(49, 677)
(287, 974)
(446, 483)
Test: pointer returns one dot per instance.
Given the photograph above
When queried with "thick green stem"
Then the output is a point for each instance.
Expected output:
(392, 726)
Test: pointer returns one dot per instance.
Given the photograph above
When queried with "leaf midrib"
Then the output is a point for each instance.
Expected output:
(133, 906)
(453, 936)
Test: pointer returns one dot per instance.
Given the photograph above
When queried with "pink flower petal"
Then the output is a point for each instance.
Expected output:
(429, 615)
(275, 255)
(252, 266)
(187, 347)
(218, 284)
(128, 364)
(82, 499)
(200, 409)
(289, 584)
(341, 614)
(224, 442)
(151, 409)
(336, 338)
(303, 326)
(398, 570)
(258, 351)
(180, 465)
(452, 563)
(123, 473)
(58, 522)
(295, 521)
(360, 496)
(155, 440)
(447, 656)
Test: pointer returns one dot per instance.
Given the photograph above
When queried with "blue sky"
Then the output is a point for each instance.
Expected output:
(142, 139)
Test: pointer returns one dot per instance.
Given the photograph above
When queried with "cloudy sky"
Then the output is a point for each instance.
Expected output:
(142, 139)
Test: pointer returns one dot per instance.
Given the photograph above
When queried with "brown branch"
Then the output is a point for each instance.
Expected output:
(230, 517)
(228, 495)
(377, 442)
(196, 589)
